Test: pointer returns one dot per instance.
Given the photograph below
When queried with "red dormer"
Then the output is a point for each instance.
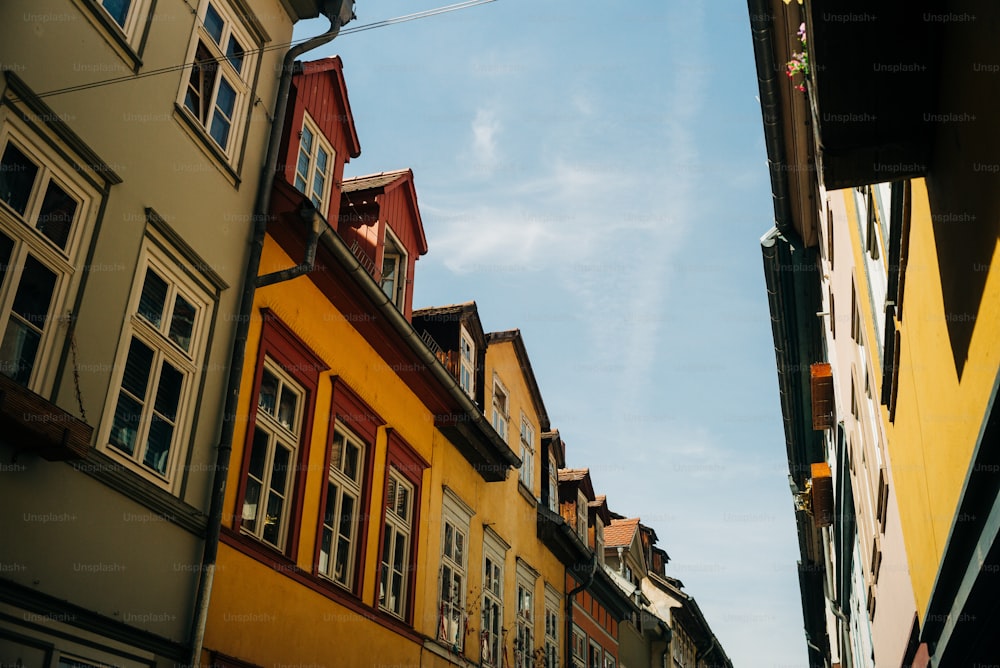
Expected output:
(320, 137)
(380, 222)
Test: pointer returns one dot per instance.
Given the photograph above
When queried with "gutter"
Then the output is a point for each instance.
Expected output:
(338, 12)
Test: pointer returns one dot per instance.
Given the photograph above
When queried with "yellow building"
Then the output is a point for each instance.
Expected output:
(330, 540)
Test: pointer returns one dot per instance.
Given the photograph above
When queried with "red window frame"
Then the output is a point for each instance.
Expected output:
(279, 343)
(362, 421)
(411, 466)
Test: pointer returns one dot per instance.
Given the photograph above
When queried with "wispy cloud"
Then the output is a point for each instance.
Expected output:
(485, 128)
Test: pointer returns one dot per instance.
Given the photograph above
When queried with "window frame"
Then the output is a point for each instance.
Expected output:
(581, 515)
(552, 625)
(457, 514)
(491, 609)
(526, 474)
(242, 82)
(500, 419)
(579, 646)
(279, 343)
(27, 240)
(355, 416)
(398, 298)
(320, 141)
(594, 651)
(524, 616)
(409, 466)
(467, 366)
(347, 487)
(190, 362)
(396, 527)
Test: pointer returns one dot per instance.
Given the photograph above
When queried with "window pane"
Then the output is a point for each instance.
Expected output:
(182, 322)
(342, 568)
(126, 424)
(18, 350)
(258, 454)
(34, 294)
(17, 176)
(222, 118)
(287, 408)
(448, 539)
(137, 367)
(336, 449)
(201, 82)
(319, 183)
(268, 392)
(403, 502)
(56, 215)
(220, 130)
(351, 457)
(214, 24)
(235, 52)
(153, 298)
(331, 504)
(324, 550)
(250, 505)
(279, 472)
(118, 10)
(459, 548)
(226, 100)
(300, 184)
(6, 246)
(347, 517)
(307, 141)
(158, 448)
(303, 167)
(272, 522)
(168, 391)
(321, 160)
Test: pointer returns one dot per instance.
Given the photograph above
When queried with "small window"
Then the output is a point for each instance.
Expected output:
(581, 515)
(454, 553)
(343, 512)
(314, 165)
(524, 642)
(492, 630)
(393, 278)
(500, 409)
(552, 624)
(579, 646)
(553, 484)
(595, 656)
(527, 472)
(273, 456)
(216, 88)
(396, 545)
(467, 363)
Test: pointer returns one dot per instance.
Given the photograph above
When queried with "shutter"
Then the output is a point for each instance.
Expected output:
(821, 384)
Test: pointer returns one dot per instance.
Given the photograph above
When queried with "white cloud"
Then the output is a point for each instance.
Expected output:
(485, 128)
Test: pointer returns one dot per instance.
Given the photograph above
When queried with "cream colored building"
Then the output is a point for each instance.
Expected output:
(132, 136)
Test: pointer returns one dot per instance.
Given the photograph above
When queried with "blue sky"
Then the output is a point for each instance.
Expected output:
(594, 174)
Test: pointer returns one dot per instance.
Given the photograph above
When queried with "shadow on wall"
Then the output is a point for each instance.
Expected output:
(964, 180)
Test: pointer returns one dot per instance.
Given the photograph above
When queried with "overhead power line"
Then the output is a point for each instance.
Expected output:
(284, 45)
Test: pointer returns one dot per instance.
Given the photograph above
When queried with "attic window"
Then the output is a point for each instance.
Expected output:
(393, 278)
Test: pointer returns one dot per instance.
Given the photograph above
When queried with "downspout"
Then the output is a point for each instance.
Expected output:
(569, 608)
(699, 654)
(333, 10)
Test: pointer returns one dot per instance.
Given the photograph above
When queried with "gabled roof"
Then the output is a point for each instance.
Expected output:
(444, 310)
(373, 181)
(380, 184)
(621, 532)
(573, 474)
(514, 336)
(335, 68)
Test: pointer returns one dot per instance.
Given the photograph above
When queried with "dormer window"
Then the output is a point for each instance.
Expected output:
(393, 280)
(500, 409)
(581, 515)
(467, 364)
(599, 539)
(314, 165)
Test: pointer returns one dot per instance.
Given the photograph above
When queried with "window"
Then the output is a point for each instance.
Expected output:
(595, 656)
(524, 638)
(396, 545)
(393, 279)
(551, 628)
(127, 15)
(553, 484)
(599, 539)
(527, 472)
(581, 515)
(579, 646)
(500, 409)
(41, 212)
(609, 661)
(222, 60)
(454, 541)
(160, 357)
(314, 165)
(491, 635)
(272, 456)
(342, 513)
(467, 363)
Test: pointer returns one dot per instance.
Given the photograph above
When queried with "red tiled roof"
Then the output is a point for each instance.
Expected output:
(573, 474)
(379, 180)
(621, 532)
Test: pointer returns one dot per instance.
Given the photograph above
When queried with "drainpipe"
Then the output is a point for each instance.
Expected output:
(338, 12)
(569, 608)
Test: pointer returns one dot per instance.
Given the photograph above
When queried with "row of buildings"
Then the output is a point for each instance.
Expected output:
(228, 438)
(884, 291)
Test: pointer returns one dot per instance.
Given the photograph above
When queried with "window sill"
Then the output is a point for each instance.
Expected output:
(112, 33)
(207, 145)
(526, 493)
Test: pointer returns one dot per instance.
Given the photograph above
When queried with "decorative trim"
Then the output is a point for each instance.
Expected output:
(198, 268)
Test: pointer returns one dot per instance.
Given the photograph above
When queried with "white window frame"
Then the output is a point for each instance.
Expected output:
(553, 484)
(321, 198)
(397, 276)
(467, 362)
(579, 647)
(491, 631)
(398, 527)
(524, 615)
(599, 539)
(189, 362)
(581, 515)
(346, 488)
(280, 433)
(456, 516)
(239, 81)
(501, 408)
(135, 17)
(527, 472)
(28, 240)
(594, 651)
(552, 625)
(609, 660)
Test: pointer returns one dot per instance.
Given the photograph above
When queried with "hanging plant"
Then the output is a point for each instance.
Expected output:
(799, 64)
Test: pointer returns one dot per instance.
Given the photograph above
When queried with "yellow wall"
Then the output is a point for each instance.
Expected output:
(938, 417)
